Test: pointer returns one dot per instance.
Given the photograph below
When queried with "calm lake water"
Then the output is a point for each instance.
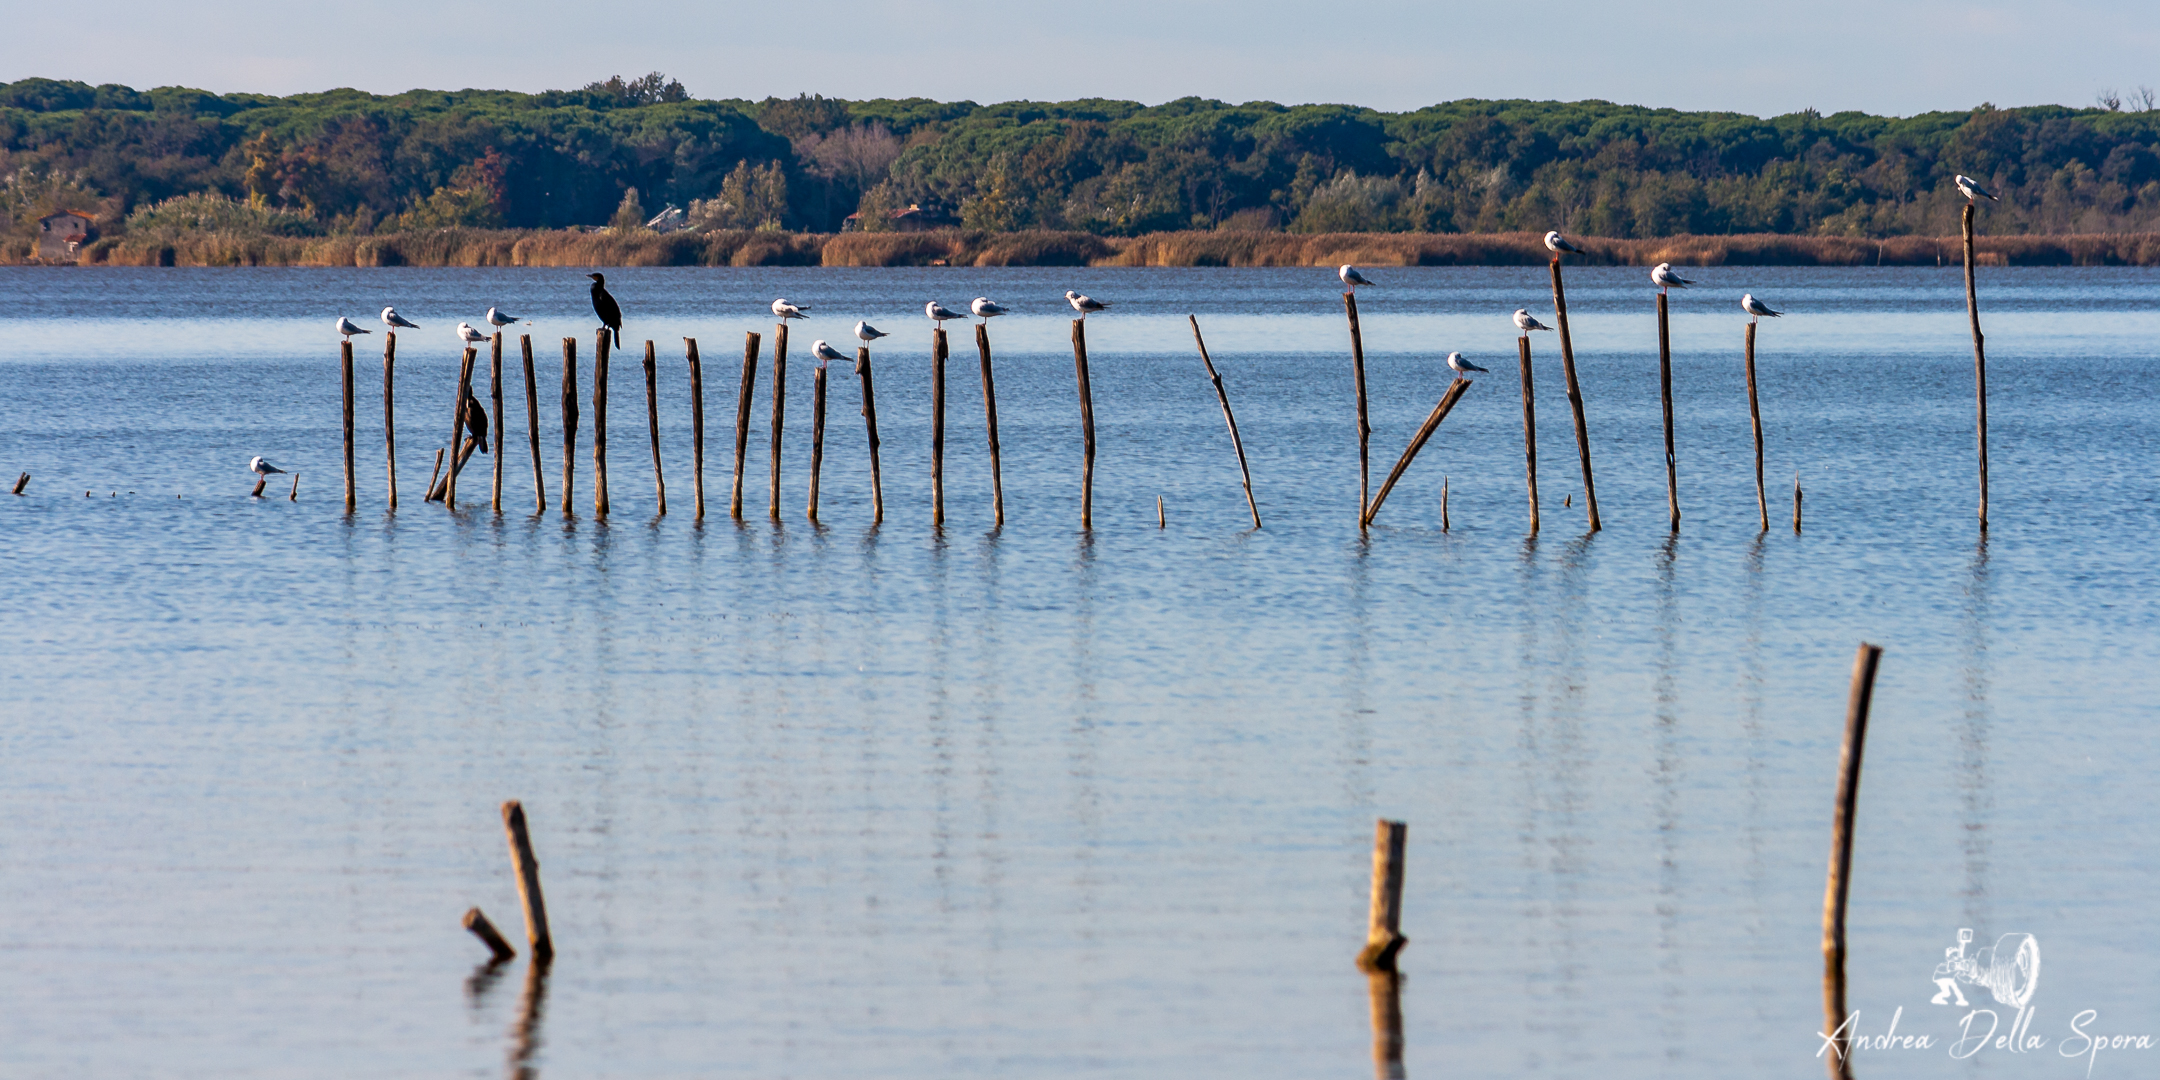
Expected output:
(840, 800)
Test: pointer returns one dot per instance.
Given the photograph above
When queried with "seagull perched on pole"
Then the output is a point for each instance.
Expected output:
(1663, 277)
(1085, 305)
(825, 353)
(495, 317)
(987, 310)
(1756, 308)
(1557, 244)
(346, 327)
(1351, 279)
(786, 310)
(869, 333)
(395, 321)
(262, 468)
(468, 335)
(939, 313)
(1973, 191)
(1461, 364)
(1525, 323)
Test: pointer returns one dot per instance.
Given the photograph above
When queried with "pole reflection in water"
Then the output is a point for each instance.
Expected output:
(1752, 678)
(1387, 1036)
(1976, 792)
(525, 1041)
(1670, 765)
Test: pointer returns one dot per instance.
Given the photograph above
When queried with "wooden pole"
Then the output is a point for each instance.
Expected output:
(21, 482)
(1796, 502)
(1087, 425)
(457, 425)
(742, 418)
(1839, 887)
(1364, 429)
(997, 471)
(532, 424)
(1762, 499)
(1972, 313)
(457, 462)
(817, 434)
(1574, 394)
(1454, 393)
(1443, 502)
(295, 496)
(937, 427)
(779, 408)
(389, 410)
(1223, 396)
(528, 879)
(1383, 938)
(345, 380)
(1664, 370)
(697, 427)
(869, 412)
(429, 495)
(481, 928)
(495, 410)
(260, 481)
(652, 424)
(599, 425)
(1529, 427)
(569, 421)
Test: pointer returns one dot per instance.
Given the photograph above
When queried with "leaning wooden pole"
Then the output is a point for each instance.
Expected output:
(1364, 429)
(779, 408)
(495, 403)
(817, 434)
(1529, 427)
(532, 424)
(599, 425)
(389, 410)
(1754, 411)
(1383, 935)
(1664, 372)
(869, 413)
(345, 379)
(742, 419)
(997, 470)
(569, 421)
(528, 880)
(697, 427)
(937, 427)
(1087, 425)
(1972, 313)
(1425, 431)
(1838, 888)
(1236, 443)
(652, 424)
(1574, 394)
(458, 453)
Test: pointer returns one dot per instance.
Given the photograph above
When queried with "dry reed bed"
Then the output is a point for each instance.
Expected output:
(957, 247)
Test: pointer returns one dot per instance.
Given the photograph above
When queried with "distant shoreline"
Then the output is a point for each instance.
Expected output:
(955, 247)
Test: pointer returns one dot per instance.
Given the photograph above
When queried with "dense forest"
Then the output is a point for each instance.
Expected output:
(346, 163)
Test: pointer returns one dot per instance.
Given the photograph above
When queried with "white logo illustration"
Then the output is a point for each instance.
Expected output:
(2010, 970)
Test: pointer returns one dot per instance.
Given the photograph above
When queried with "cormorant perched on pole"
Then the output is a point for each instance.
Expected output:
(604, 306)
(476, 422)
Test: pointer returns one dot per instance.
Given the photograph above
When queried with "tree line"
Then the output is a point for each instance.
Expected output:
(343, 162)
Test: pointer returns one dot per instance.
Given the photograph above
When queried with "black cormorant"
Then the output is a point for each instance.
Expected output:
(604, 306)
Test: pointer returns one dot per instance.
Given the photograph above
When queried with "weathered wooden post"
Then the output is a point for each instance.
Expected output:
(997, 471)
(1839, 886)
(345, 380)
(817, 433)
(599, 425)
(1664, 367)
(1364, 429)
(498, 949)
(1425, 431)
(1383, 937)
(652, 423)
(458, 451)
(742, 418)
(528, 879)
(697, 427)
(21, 482)
(389, 410)
(1529, 426)
(779, 408)
(569, 420)
(1087, 424)
(869, 412)
(532, 424)
(1972, 313)
(1223, 396)
(1762, 499)
(937, 426)
(427, 495)
(1574, 394)
(495, 411)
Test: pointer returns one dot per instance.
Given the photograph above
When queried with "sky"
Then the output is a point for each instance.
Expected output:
(1895, 58)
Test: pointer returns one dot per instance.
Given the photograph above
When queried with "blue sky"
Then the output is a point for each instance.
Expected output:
(1881, 57)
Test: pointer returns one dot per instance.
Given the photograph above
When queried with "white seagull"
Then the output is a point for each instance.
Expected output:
(986, 310)
(1085, 305)
(393, 320)
(789, 311)
(1351, 277)
(939, 313)
(1972, 189)
(262, 468)
(1557, 243)
(869, 333)
(825, 353)
(468, 335)
(1461, 364)
(496, 317)
(1525, 323)
(1663, 277)
(1756, 308)
(346, 327)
